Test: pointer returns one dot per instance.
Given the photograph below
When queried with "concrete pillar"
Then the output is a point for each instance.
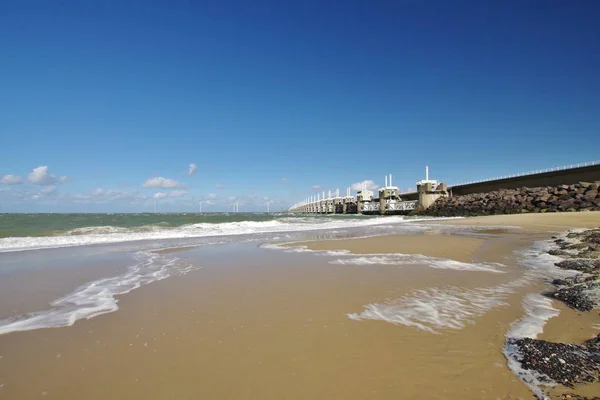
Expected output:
(428, 194)
(382, 197)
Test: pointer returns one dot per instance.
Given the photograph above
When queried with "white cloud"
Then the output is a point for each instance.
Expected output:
(192, 169)
(317, 187)
(178, 193)
(64, 179)
(48, 190)
(219, 186)
(174, 193)
(164, 183)
(359, 186)
(11, 180)
(211, 196)
(100, 196)
(285, 180)
(42, 176)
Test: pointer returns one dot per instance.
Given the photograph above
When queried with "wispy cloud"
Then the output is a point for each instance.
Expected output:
(192, 169)
(219, 186)
(11, 180)
(174, 193)
(49, 190)
(100, 195)
(285, 180)
(317, 187)
(163, 183)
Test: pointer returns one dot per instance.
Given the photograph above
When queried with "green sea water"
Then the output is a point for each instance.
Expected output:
(38, 225)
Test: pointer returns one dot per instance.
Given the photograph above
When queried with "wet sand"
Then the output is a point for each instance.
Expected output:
(274, 327)
(263, 324)
(28, 290)
(442, 246)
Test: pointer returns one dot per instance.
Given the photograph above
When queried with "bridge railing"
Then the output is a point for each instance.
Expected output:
(403, 205)
(541, 171)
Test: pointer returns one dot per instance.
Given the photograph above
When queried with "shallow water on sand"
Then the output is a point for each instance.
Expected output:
(237, 319)
(253, 322)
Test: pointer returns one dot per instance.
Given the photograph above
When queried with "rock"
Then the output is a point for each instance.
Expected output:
(583, 196)
(574, 297)
(591, 194)
(583, 265)
(567, 364)
(558, 253)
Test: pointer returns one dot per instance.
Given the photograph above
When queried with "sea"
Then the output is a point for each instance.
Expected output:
(19, 232)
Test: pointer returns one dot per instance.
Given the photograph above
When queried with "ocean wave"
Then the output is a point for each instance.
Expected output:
(99, 297)
(111, 234)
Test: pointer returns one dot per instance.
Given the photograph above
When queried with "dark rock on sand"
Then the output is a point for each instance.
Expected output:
(586, 265)
(558, 253)
(578, 292)
(575, 296)
(567, 364)
(573, 396)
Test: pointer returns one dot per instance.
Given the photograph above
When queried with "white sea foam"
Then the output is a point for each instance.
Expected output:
(411, 259)
(434, 309)
(110, 234)
(538, 310)
(452, 307)
(98, 297)
(540, 265)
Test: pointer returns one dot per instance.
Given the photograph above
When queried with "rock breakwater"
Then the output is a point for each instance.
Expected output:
(583, 196)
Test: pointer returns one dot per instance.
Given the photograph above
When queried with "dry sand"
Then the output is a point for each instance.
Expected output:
(547, 222)
(263, 324)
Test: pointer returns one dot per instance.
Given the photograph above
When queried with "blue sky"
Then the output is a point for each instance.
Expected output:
(272, 98)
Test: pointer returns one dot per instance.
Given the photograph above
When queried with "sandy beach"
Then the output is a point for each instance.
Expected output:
(264, 323)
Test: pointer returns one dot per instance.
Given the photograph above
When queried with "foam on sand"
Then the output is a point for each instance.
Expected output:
(538, 310)
(434, 309)
(99, 297)
(412, 259)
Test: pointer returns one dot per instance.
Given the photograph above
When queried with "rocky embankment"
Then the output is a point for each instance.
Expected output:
(583, 196)
(566, 363)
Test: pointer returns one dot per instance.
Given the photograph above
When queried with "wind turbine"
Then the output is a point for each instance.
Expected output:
(200, 206)
(268, 205)
(155, 205)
